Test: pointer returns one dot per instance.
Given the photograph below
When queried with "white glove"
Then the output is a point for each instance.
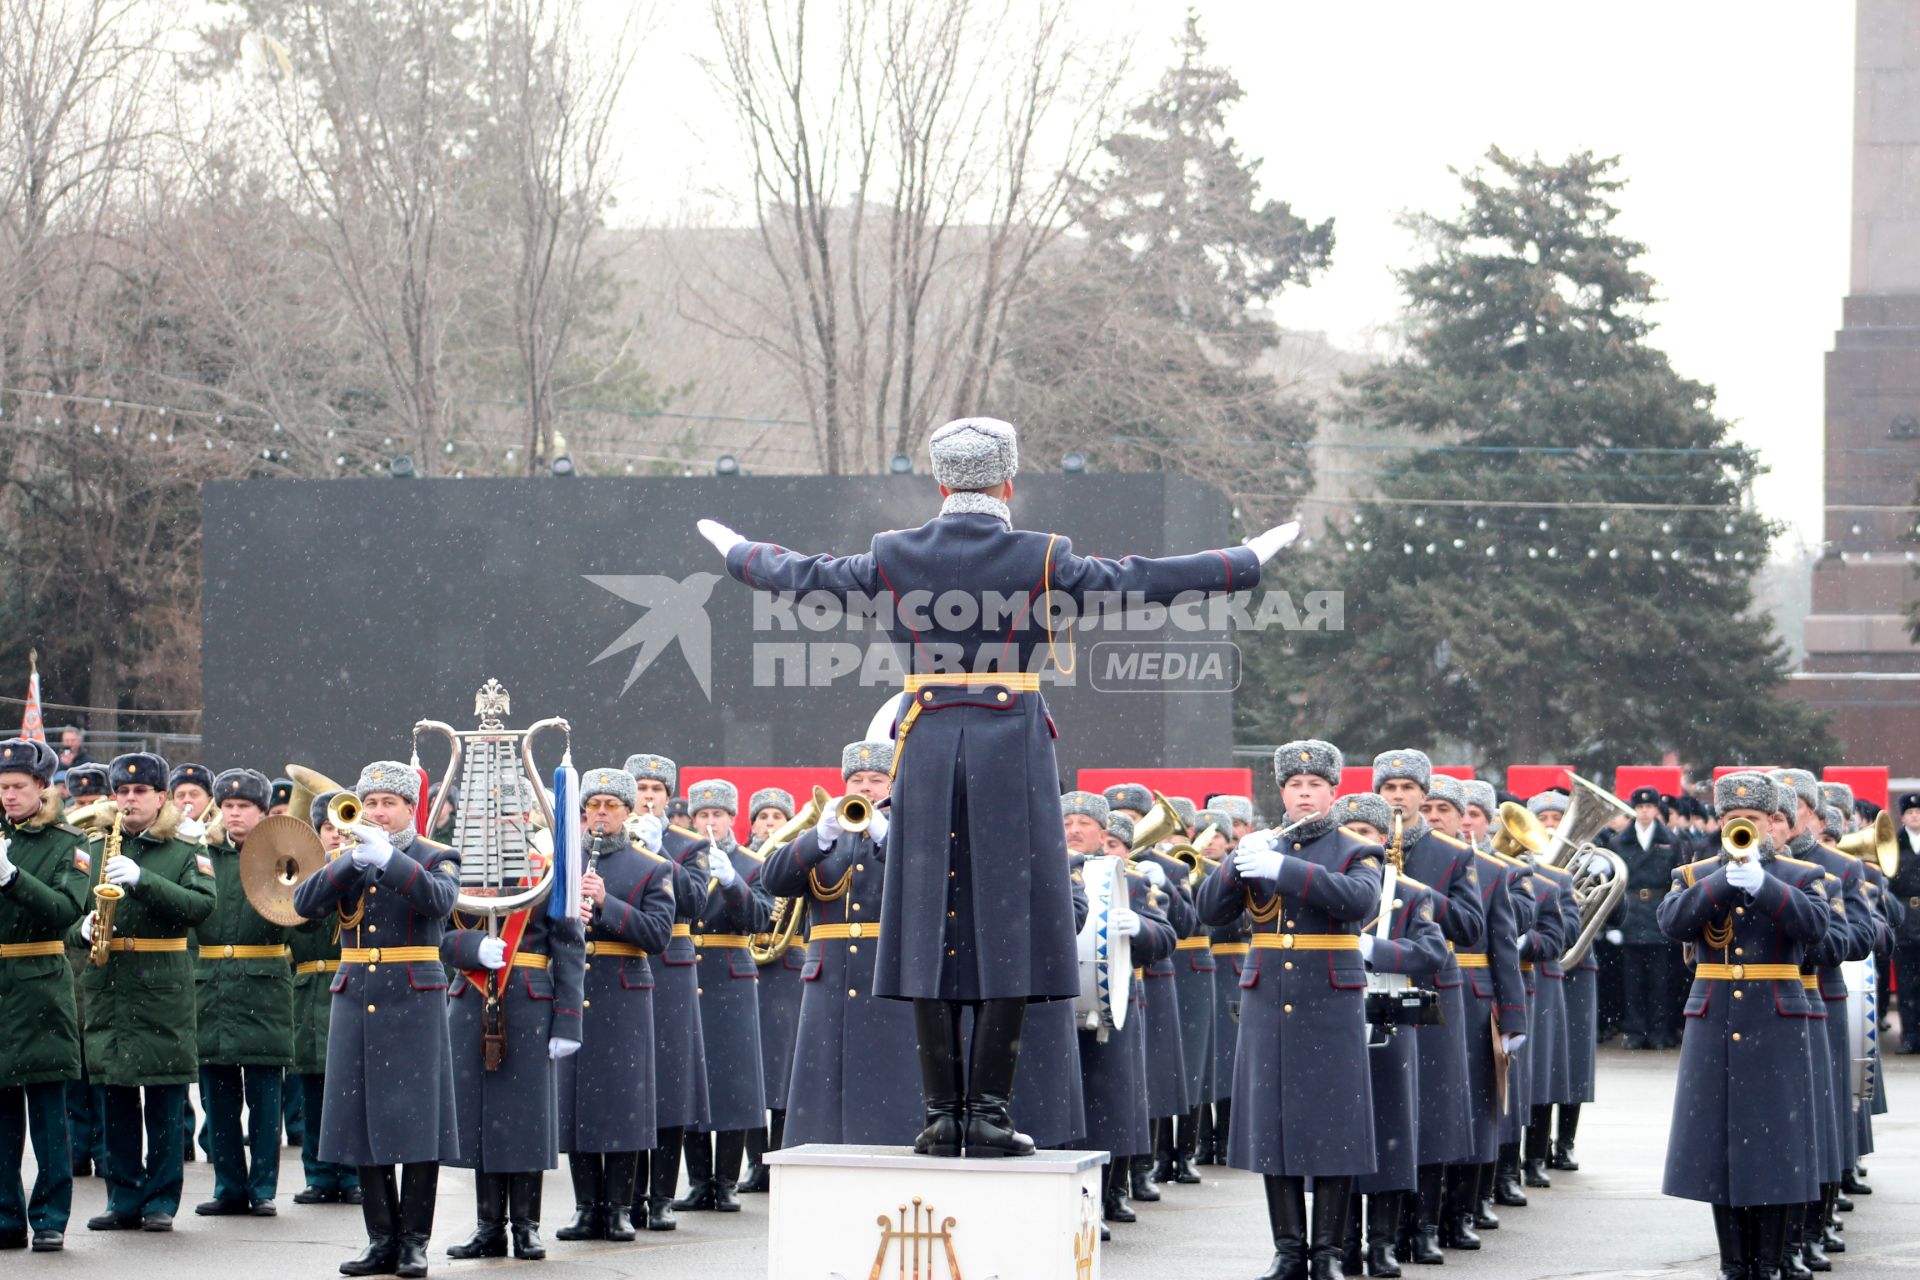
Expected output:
(720, 866)
(1366, 946)
(650, 832)
(1267, 545)
(559, 1047)
(374, 848)
(722, 538)
(877, 828)
(1615, 937)
(1746, 875)
(1125, 922)
(123, 871)
(493, 953)
(1510, 1045)
(7, 868)
(1153, 874)
(1254, 860)
(86, 926)
(1595, 864)
(827, 830)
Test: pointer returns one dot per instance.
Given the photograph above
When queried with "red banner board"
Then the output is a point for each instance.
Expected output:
(798, 780)
(1869, 781)
(1722, 770)
(1195, 784)
(1529, 780)
(1359, 777)
(1664, 778)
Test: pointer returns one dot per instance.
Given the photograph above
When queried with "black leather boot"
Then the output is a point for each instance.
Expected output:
(698, 1151)
(1767, 1241)
(1330, 1198)
(1812, 1252)
(380, 1209)
(756, 1181)
(1204, 1128)
(1506, 1178)
(1222, 1127)
(943, 1077)
(1537, 1146)
(617, 1182)
(1113, 1198)
(524, 1199)
(1186, 1134)
(1140, 1174)
(1728, 1230)
(727, 1148)
(1830, 1238)
(1463, 1192)
(1563, 1138)
(996, 1052)
(1424, 1246)
(419, 1190)
(1287, 1216)
(1352, 1253)
(589, 1197)
(663, 1169)
(1852, 1182)
(1484, 1218)
(489, 1238)
(1383, 1231)
(1792, 1265)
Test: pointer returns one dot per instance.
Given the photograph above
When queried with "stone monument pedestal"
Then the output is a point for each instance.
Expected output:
(856, 1213)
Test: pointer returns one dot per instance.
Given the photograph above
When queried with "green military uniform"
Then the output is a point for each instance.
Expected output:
(244, 988)
(40, 899)
(316, 958)
(140, 1019)
(86, 1101)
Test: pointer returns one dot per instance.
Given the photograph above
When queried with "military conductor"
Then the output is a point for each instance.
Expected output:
(977, 908)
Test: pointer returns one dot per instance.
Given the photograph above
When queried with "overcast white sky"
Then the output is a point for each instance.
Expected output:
(1733, 120)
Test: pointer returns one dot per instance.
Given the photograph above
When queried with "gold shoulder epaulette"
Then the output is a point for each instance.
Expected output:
(1407, 879)
(645, 852)
(1797, 862)
(1556, 873)
(1452, 840)
(70, 830)
(751, 855)
(1492, 858)
(1843, 853)
(695, 835)
(1359, 839)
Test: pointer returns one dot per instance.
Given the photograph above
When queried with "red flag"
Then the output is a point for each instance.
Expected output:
(33, 725)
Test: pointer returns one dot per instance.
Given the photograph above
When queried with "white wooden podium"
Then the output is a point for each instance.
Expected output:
(883, 1213)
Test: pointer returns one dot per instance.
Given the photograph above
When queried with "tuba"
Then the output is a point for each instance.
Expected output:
(1599, 874)
(1878, 844)
(784, 927)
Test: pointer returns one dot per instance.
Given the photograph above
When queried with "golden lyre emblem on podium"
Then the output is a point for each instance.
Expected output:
(1086, 1240)
(916, 1243)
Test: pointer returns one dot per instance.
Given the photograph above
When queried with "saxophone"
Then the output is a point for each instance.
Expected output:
(106, 897)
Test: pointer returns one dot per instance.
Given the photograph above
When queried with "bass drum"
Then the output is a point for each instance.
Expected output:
(1862, 1026)
(1106, 957)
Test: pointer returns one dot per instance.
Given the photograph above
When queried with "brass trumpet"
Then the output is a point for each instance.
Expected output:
(1737, 837)
(343, 811)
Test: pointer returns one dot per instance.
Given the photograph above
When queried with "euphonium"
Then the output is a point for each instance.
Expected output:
(106, 897)
(784, 927)
(1198, 864)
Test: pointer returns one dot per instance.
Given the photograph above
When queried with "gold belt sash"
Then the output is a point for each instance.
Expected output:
(391, 955)
(615, 949)
(1307, 941)
(1231, 948)
(1018, 681)
(23, 950)
(1526, 966)
(530, 960)
(1810, 981)
(242, 951)
(683, 931)
(1470, 959)
(822, 932)
(1191, 944)
(1749, 972)
(721, 940)
(317, 966)
(147, 944)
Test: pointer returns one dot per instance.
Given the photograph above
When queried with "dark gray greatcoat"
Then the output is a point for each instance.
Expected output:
(1414, 946)
(1550, 1050)
(781, 991)
(509, 1117)
(1193, 970)
(979, 906)
(1112, 1074)
(679, 1047)
(1493, 990)
(1166, 1055)
(856, 1075)
(729, 993)
(1227, 947)
(1741, 1133)
(1302, 1100)
(389, 1057)
(607, 1089)
(1445, 865)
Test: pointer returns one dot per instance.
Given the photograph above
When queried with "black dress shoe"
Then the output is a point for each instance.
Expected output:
(157, 1222)
(316, 1195)
(13, 1239)
(48, 1241)
(263, 1209)
(222, 1208)
(114, 1222)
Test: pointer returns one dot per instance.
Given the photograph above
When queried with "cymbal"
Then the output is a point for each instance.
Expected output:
(277, 855)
